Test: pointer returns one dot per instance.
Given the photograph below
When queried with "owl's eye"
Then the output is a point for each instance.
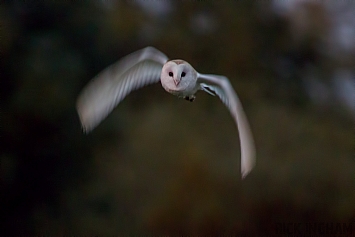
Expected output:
(170, 74)
(183, 74)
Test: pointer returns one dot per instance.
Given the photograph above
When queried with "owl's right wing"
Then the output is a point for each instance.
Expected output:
(114, 83)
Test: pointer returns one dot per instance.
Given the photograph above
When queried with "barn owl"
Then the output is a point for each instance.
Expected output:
(147, 66)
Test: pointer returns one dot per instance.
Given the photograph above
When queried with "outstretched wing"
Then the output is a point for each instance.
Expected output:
(114, 83)
(221, 86)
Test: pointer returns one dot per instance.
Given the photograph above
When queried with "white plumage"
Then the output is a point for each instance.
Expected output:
(147, 66)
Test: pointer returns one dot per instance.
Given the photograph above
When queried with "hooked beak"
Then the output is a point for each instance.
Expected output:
(176, 80)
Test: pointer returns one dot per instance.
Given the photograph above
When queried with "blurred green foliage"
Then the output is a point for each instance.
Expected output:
(159, 165)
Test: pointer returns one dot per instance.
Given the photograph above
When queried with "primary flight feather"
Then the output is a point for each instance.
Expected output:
(148, 66)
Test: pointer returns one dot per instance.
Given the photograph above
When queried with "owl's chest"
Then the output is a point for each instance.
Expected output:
(182, 90)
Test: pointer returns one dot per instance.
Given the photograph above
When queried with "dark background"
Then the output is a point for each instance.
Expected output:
(160, 165)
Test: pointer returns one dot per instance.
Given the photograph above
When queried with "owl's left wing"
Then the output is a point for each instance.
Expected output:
(114, 83)
(221, 86)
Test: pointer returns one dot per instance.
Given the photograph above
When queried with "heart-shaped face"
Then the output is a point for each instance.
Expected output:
(178, 77)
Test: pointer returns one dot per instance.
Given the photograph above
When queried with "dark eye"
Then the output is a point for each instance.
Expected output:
(170, 74)
(183, 74)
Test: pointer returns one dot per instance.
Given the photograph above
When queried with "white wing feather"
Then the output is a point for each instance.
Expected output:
(222, 87)
(113, 84)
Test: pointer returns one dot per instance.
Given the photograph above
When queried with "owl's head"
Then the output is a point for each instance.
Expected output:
(177, 75)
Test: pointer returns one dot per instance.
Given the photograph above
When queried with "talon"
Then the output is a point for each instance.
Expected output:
(191, 99)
